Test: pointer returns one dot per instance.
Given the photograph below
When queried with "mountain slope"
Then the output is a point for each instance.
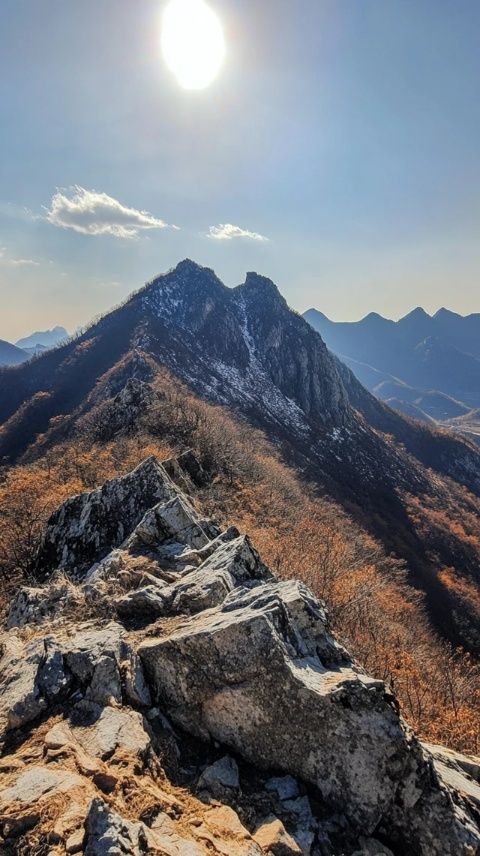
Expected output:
(11, 355)
(244, 348)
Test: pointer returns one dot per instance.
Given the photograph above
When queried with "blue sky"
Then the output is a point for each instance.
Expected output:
(344, 131)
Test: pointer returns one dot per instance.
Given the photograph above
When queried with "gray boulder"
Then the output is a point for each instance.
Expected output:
(243, 677)
(285, 787)
(21, 700)
(272, 837)
(34, 605)
(170, 525)
(99, 664)
(101, 731)
(109, 834)
(221, 779)
(255, 675)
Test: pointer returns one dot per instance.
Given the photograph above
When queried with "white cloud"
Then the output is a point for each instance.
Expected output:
(227, 231)
(93, 213)
(24, 262)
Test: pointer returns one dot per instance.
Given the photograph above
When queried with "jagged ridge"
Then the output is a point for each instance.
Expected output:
(200, 627)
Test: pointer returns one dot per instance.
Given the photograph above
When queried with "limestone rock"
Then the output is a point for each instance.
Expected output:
(109, 834)
(165, 836)
(20, 698)
(285, 787)
(220, 779)
(94, 657)
(88, 526)
(38, 783)
(234, 562)
(136, 689)
(143, 604)
(74, 842)
(101, 731)
(52, 678)
(467, 764)
(32, 677)
(272, 836)
(174, 523)
(256, 675)
(241, 676)
(300, 817)
(223, 830)
(98, 663)
(34, 605)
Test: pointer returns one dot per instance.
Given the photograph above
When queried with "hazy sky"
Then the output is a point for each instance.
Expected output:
(347, 132)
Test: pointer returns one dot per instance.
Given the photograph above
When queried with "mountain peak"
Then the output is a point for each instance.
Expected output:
(317, 312)
(446, 313)
(44, 338)
(187, 277)
(261, 287)
(190, 266)
(416, 314)
(373, 318)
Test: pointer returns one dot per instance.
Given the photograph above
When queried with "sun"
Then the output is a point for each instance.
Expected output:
(192, 42)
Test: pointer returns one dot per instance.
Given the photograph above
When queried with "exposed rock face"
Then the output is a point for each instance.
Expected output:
(236, 659)
(247, 346)
(243, 674)
(88, 526)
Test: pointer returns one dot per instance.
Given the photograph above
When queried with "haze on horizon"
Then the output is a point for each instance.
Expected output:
(336, 152)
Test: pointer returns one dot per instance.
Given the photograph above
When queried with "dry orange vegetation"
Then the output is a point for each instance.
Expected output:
(298, 533)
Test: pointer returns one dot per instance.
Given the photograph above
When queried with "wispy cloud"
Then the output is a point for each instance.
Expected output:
(24, 262)
(227, 232)
(8, 260)
(93, 213)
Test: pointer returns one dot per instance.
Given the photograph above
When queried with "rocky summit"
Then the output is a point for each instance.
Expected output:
(163, 693)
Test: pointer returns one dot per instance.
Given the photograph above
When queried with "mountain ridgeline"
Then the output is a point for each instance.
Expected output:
(243, 348)
(425, 366)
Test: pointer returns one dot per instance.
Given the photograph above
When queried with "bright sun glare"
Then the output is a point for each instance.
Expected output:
(192, 42)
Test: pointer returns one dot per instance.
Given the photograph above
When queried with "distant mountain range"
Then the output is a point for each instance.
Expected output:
(43, 338)
(426, 366)
(29, 346)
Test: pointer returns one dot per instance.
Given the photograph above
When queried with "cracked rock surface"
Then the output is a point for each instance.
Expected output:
(167, 694)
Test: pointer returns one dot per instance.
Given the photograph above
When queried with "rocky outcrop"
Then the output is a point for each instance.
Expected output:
(243, 674)
(310, 754)
(88, 526)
